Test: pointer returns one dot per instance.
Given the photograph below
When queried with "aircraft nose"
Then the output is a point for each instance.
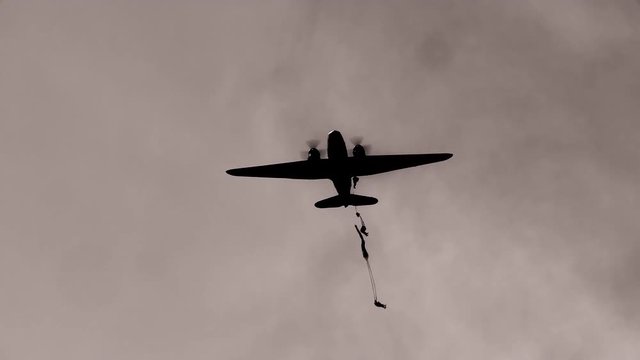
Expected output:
(335, 134)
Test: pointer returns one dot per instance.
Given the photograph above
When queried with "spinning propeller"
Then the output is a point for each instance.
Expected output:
(313, 153)
(359, 150)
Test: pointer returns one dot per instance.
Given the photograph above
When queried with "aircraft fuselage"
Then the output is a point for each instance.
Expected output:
(337, 151)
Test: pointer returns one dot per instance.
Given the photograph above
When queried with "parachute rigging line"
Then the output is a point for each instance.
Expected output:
(363, 230)
(365, 254)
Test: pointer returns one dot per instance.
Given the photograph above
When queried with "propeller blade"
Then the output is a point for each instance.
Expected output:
(356, 140)
(313, 143)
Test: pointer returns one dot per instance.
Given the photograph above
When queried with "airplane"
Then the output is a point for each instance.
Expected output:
(340, 169)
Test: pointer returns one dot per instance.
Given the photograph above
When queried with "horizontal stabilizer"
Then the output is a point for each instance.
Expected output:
(352, 199)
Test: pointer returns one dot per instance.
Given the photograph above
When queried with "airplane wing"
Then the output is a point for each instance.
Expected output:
(305, 169)
(326, 169)
(376, 164)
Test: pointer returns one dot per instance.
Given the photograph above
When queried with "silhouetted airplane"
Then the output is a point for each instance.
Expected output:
(340, 169)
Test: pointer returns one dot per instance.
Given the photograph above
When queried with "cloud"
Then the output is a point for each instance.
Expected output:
(123, 236)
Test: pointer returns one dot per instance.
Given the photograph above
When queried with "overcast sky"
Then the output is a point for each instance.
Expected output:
(121, 236)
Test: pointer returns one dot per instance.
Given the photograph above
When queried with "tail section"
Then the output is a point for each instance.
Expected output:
(352, 199)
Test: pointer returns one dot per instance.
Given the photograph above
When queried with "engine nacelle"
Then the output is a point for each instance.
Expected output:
(358, 151)
(314, 154)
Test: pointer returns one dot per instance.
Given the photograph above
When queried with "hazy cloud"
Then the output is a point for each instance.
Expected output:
(122, 237)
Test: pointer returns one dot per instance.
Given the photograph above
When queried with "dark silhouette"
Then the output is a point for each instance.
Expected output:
(363, 228)
(355, 181)
(340, 169)
(379, 304)
(365, 255)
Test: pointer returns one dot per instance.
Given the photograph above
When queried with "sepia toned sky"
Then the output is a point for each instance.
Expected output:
(121, 236)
